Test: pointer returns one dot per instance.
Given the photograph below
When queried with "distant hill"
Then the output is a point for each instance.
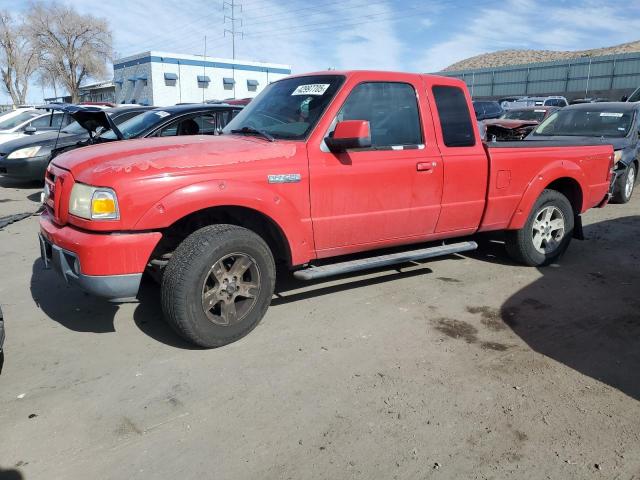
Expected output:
(519, 57)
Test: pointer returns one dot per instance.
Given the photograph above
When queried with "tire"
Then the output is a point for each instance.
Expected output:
(200, 298)
(625, 184)
(551, 242)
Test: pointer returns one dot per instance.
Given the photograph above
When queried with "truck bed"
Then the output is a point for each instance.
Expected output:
(530, 166)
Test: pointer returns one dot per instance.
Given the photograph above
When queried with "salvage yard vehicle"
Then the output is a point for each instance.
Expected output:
(30, 122)
(551, 101)
(487, 109)
(27, 158)
(517, 123)
(614, 123)
(185, 119)
(317, 166)
(634, 97)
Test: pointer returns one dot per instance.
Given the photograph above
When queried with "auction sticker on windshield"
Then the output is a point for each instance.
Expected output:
(611, 114)
(311, 89)
(162, 114)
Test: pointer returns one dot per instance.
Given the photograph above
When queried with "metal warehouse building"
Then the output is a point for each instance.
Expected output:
(608, 76)
(160, 78)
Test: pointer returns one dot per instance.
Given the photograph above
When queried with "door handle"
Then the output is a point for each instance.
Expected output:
(426, 166)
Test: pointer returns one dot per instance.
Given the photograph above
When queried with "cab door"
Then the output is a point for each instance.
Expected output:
(383, 195)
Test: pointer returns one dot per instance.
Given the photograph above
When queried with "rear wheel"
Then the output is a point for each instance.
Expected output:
(625, 185)
(218, 285)
(547, 233)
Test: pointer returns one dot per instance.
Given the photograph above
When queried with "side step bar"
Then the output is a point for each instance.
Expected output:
(313, 273)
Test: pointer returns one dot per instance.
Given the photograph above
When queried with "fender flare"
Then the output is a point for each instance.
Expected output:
(297, 229)
(554, 171)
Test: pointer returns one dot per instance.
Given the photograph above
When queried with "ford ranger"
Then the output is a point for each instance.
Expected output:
(318, 166)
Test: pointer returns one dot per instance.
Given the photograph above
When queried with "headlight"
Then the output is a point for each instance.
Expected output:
(93, 203)
(27, 152)
(617, 155)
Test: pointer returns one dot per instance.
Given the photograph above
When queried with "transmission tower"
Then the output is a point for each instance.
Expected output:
(231, 8)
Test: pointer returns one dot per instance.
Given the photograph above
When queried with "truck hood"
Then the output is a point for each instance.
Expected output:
(150, 157)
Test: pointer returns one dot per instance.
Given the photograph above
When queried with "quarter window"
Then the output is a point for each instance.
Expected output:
(391, 110)
(455, 120)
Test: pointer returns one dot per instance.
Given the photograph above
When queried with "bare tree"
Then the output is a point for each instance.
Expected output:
(18, 57)
(73, 47)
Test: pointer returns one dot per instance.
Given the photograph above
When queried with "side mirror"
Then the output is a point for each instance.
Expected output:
(349, 134)
(624, 98)
(30, 130)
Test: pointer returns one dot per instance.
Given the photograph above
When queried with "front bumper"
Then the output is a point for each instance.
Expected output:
(25, 168)
(113, 287)
(104, 264)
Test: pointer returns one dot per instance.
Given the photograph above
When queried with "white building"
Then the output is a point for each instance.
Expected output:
(161, 78)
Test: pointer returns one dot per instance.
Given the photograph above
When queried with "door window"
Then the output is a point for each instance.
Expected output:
(391, 110)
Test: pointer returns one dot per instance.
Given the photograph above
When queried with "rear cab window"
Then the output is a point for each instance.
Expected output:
(455, 118)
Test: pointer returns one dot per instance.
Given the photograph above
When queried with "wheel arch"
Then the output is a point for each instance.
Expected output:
(569, 183)
(258, 222)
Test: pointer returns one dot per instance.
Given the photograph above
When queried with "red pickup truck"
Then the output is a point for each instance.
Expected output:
(317, 166)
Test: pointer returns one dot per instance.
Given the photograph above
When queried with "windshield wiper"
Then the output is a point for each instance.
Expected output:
(254, 131)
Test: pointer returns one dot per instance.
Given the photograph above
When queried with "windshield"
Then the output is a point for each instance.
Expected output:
(288, 108)
(534, 115)
(12, 122)
(74, 128)
(137, 125)
(586, 123)
(635, 96)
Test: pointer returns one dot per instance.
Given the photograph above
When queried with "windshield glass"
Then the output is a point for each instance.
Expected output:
(74, 128)
(137, 125)
(635, 96)
(586, 123)
(12, 122)
(535, 115)
(288, 108)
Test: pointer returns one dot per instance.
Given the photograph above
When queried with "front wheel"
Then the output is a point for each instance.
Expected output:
(625, 185)
(218, 285)
(547, 233)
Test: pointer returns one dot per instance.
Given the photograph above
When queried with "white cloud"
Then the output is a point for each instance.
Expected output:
(528, 24)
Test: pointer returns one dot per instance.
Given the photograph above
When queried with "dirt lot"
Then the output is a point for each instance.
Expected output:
(468, 367)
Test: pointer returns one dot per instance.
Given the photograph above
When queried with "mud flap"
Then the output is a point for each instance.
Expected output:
(578, 233)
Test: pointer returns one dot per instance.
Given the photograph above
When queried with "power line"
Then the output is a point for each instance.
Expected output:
(333, 23)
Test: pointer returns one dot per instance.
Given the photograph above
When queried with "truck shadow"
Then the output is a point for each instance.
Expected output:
(585, 312)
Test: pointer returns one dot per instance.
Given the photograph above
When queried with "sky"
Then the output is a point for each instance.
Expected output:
(407, 35)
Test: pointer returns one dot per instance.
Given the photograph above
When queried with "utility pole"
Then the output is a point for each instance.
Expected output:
(204, 65)
(231, 9)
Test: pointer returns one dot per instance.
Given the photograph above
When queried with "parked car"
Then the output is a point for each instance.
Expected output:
(506, 102)
(634, 97)
(615, 123)
(551, 101)
(1, 340)
(26, 158)
(588, 100)
(317, 166)
(485, 109)
(188, 119)
(30, 122)
(517, 123)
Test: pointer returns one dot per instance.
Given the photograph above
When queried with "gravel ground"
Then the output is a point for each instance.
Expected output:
(464, 367)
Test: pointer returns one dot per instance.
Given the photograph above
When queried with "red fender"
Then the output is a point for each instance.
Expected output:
(551, 173)
(292, 220)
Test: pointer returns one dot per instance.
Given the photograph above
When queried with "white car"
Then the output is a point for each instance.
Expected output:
(28, 121)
